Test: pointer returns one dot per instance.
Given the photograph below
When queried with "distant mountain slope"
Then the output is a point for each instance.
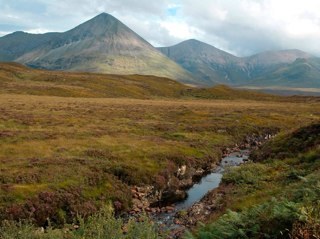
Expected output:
(209, 64)
(276, 57)
(214, 66)
(300, 73)
(102, 44)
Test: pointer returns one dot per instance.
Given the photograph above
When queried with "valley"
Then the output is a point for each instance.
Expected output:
(103, 135)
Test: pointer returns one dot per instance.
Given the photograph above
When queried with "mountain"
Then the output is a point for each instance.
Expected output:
(105, 45)
(102, 44)
(291, 68)
(204, 61)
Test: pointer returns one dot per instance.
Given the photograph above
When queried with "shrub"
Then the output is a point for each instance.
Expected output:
(102, 225)
(269, 220)
(251, 174)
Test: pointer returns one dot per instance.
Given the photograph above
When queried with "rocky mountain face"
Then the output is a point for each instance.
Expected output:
(102, 44)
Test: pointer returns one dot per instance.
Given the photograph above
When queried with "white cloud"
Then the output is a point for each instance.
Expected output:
(37, 30)
(3, 33)
(180, 30)
(249, 26)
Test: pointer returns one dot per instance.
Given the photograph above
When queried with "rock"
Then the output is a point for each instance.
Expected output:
(177, 222)
(169, 209)
(177, 233)
(181, 171)
(185, 183)
(199, 172)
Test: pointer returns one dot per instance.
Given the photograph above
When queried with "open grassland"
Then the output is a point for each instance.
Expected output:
(84, 152)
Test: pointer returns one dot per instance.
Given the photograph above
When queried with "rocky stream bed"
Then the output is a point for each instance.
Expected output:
(196, 197)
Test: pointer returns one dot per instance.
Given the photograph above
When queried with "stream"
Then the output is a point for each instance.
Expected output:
(200, 189)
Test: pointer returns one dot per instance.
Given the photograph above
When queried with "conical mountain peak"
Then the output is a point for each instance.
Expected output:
(102, 44)
(103, 24)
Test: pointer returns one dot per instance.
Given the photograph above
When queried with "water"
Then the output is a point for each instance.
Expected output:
(206, 184)
(212, 180)
(200, 189)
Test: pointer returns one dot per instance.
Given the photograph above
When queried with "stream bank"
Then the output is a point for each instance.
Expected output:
(195, 200)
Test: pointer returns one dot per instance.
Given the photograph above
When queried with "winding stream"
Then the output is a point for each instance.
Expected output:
(212, 180)
(200, 189)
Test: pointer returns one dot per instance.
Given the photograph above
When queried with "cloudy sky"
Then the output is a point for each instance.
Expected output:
(242, 27)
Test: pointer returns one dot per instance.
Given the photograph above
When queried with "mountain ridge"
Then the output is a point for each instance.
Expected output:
(104, 44)
(215, 66)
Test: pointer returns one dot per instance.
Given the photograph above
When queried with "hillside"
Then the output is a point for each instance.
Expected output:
(15, 78)
(18, 79)
(102, 44)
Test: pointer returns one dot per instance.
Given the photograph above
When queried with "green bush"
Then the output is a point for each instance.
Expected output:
(249, 174)
(102, 225)
(269, 220)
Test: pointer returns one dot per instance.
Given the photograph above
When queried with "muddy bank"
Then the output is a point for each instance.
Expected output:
(150, 199)
(173, 209)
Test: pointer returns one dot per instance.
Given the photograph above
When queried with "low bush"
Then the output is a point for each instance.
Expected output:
(273, 219)
(252, 174)
(102, 225)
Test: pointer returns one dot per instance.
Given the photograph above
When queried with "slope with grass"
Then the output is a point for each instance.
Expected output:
(18, 79)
